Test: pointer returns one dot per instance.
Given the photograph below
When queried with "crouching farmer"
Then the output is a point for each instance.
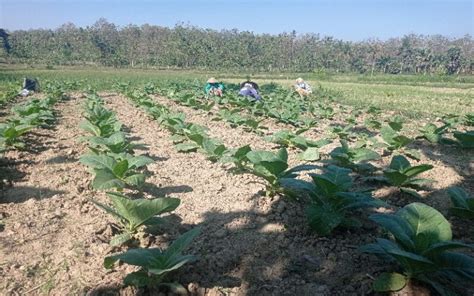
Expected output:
(29, 85)
(302, 88)
(250, 89)
(214, 87)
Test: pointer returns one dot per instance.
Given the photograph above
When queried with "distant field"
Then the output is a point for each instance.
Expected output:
(411, 95)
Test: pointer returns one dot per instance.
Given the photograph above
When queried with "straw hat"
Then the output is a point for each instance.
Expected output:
(299, 80)
(212, 80)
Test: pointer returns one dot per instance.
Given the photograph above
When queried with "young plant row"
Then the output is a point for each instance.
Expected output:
(35, 113)
(9, 93)
(115, 165)
(280, 99)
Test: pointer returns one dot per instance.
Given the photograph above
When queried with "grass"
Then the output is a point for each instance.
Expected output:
(412, 96)
(409, 100)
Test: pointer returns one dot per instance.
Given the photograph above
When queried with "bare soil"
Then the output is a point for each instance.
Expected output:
(54, 239)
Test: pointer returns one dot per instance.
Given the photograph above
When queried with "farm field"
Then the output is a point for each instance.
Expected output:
(272, 198)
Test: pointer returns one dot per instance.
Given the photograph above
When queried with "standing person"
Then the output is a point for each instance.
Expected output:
(249, 89)
(302, 87)
(214, 87)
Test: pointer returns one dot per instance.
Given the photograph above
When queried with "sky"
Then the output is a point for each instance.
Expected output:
(344, 19)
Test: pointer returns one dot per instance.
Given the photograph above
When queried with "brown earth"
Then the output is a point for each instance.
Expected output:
(54, 239)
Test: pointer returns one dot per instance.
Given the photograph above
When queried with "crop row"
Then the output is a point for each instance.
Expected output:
(420, 235)
(29, 115)
(114, 164)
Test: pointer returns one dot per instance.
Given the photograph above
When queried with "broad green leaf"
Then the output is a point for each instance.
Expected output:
(120, 168)
(416, 170)
(137, 279)
(120, 239)
(310, 154)
(399, 163)
(437, 248)
(187, 147)
(138, 211)
(136, 180)
(429, 226)
(105, 179)
(323, 219)
(458, 196)
(97, 161)
(139, 161)
(398, 227)
(466, 140)
(364, 154)
(282, 154)
(137, 257)
(411, 192)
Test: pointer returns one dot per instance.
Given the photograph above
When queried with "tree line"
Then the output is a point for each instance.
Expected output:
(190, 47)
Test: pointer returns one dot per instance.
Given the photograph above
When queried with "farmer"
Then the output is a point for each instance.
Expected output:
(214, 87)
(249, 89)
(302, 87)
(29, 85)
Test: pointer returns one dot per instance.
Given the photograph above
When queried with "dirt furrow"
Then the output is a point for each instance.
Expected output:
(49, 243)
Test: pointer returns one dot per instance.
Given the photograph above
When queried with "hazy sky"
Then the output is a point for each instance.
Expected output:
(345, 19)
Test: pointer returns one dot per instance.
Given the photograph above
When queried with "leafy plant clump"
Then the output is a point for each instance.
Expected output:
(333, 202)
(120, 172)
(155, 264)
(133, 213)
(432, 133)
(402, 174)
(463, 205)
(354, 158)
(11, 135)
(421, 244)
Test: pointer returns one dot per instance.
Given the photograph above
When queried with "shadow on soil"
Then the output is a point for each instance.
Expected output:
(19, 194)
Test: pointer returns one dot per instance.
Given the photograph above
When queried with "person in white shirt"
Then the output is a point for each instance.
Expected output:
(302, 87)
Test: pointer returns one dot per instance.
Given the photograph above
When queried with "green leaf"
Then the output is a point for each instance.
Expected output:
(137, 279)
(137, 162)
(398, 227)
(437, 248)
(399, 163)
(120, 239)
(105, 179)
(323, 219)
(466, 140)
(138, 211)
(120, 168)
(429, 226)
(389, 282)
(458, 196)
(97, 161)
(416, 170)
(364, 154)
(411, 192)
(136, 180)
(310, 154)
(282, 154)
(137, 257)
(89, 127)
(187, 147)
